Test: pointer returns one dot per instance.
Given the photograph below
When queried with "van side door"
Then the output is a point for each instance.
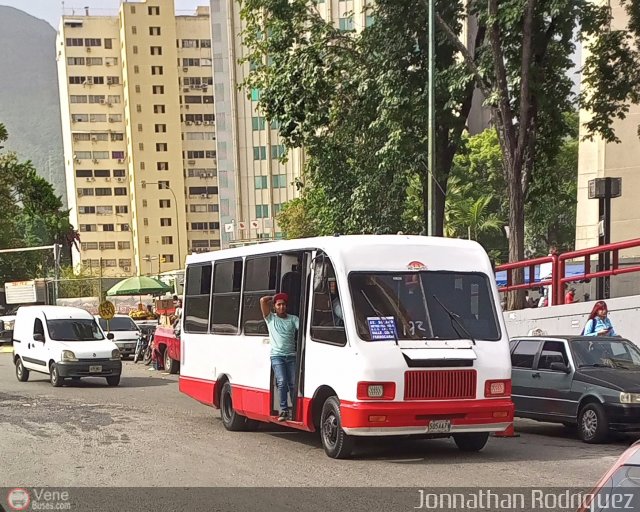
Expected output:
(34, 355)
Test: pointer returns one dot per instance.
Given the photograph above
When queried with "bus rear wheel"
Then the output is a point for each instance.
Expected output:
(472, 442)
(336, 443)
(230, 418)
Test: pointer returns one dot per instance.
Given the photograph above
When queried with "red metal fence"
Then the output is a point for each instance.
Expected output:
(558, 279)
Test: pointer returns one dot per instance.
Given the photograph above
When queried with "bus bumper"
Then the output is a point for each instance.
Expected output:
(408, 418)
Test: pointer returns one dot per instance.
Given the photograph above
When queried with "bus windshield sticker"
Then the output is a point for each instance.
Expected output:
(382, 328)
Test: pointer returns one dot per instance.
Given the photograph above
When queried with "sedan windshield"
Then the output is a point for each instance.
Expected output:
(424, 305)
(71, 329)
(118, 323)
(609, 352)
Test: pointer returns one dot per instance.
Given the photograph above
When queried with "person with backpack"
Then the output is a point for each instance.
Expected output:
(598, 323)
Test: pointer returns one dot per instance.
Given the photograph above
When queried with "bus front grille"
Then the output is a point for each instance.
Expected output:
(440, 384)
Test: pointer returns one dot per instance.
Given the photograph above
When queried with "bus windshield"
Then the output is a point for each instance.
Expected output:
(415, 305)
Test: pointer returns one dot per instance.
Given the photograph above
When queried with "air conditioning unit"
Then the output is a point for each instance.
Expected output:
(198, 122)
(189, 123)
(107, 63)
(185, 68)
(89, 179)
(120, 180)
(80, 193)
(112, 120)
(107, 179)
(120, 160)
(95, 161)
(102, 101)
(109, 104)
(94, 139)
(191, 162)
(88, 49)
(88, 62)
(126, 269)
(186, 89)
(204, 196)
(209, 175)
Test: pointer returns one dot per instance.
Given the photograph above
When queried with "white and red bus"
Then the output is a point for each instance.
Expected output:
(411, 341)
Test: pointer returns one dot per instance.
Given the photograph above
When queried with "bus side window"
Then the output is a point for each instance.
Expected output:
(260, 280)
(197, 298)
(225, 308)
(327, 319)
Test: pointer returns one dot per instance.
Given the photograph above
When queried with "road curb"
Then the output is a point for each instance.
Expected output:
(6, 349)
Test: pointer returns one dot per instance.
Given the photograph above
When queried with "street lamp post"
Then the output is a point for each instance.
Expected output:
(604, 189)
(431, 153)
(175, 203)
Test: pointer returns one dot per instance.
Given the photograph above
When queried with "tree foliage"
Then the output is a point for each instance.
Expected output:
(522, 69)
(32, 216)
(358, 105)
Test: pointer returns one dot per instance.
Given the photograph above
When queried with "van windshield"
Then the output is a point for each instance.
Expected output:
(68, 329)
(118, 323)
(413, 304)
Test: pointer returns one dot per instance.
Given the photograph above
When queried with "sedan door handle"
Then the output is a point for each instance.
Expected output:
(535, 375)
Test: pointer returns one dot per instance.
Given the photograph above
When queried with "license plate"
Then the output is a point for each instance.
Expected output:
(95, 369)
(439, 427)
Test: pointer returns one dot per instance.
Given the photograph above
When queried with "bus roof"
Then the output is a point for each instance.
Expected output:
(367, 251)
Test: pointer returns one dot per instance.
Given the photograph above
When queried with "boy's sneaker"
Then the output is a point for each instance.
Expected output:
(284, 415)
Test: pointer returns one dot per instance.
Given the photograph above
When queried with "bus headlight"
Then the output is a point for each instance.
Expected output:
(630, 398)
(67, 355)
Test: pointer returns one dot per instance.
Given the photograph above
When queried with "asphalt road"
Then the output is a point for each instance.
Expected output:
(146, 433)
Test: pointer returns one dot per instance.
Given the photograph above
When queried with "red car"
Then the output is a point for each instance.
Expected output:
(167, 346)
(619, 488)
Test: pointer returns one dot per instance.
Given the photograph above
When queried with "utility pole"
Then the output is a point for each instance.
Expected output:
(431, 154)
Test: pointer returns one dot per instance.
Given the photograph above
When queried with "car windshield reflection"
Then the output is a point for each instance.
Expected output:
(606, 353)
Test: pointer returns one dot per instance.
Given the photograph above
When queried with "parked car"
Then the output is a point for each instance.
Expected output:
(619, 487)
(125, 333)
(6, 328)
(592, 382)
(63, 342)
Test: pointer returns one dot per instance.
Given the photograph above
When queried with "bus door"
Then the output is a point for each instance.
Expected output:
(294, 279)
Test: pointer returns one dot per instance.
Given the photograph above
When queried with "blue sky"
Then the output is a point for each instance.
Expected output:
(51, 10)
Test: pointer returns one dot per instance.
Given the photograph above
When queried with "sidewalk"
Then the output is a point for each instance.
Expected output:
(6, 349)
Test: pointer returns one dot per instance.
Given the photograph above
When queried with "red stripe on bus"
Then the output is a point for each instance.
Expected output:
(200, 389)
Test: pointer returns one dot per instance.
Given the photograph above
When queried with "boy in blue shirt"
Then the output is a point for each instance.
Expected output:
(282, 331)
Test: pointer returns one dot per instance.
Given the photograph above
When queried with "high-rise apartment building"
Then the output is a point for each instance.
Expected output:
(136, 92)
(254, 184)
(598, 159)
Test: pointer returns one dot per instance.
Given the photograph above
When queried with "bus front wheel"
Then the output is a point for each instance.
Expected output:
(471, 442)
(230, 418)
(335, 442)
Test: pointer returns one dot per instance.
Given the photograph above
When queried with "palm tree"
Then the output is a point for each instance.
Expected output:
(469, 217)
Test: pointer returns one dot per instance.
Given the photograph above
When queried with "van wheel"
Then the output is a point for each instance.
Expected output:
(21, 372)
(335, 442)
(472, 442)
(170, 365)
(54, 376)
(593, 424)
(114, 380)
(230, 418)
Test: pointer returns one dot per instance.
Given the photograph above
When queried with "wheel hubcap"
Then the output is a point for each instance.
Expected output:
(589, 423)
(330, 430)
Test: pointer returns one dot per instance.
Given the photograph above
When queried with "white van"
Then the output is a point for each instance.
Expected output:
(125, 333)
(63, 342)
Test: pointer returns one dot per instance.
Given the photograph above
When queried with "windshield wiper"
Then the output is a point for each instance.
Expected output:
(455, 318)
(393, 330)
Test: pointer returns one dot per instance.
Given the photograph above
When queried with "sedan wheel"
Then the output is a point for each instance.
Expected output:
(593, 424)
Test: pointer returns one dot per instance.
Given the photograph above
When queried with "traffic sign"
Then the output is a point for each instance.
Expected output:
(107, 310)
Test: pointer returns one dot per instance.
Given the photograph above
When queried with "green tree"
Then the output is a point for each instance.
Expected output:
(32, 216)
(296, 221)
(357, 104)
(522, 70)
